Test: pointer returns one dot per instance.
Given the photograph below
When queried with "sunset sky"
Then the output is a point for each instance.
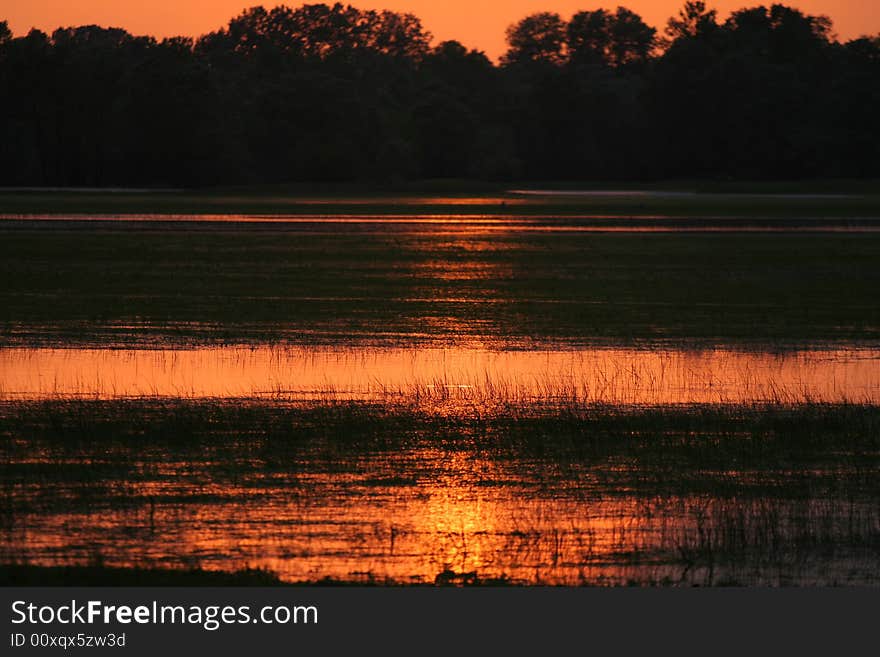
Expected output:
(476, 23)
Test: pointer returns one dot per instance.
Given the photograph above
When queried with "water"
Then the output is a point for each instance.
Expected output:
(417, 398)
(659, 376)
(442, 222)
(418, 515)
(454, 497)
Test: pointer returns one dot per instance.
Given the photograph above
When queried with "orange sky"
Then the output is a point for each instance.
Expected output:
(476, 23)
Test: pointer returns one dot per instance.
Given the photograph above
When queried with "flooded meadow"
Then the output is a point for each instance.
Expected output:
(449, 400)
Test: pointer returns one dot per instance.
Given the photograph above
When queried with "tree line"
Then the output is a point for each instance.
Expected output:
(335, 93)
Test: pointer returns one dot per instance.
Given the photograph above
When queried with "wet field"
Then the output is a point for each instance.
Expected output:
(445, 398)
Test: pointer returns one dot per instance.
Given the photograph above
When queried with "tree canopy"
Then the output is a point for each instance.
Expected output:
(335, 93)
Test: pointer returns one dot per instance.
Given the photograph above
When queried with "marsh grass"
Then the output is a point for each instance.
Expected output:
(142, 285)
(776, 494)
(439, 482)
(697, 438)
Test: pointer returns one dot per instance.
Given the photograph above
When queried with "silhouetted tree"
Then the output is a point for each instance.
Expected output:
(749, 98)
(616, 39)
(333, 92)
(29, 112)
(693, 20)
(854, 141)
(579, 101)
(459, 100)
(536, 38)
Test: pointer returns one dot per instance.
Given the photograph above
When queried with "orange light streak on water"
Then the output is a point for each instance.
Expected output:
(614, 376)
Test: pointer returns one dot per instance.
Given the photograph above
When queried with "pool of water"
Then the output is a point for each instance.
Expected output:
(420, 515)
(442, 222)
(438, 397)
(593, 375)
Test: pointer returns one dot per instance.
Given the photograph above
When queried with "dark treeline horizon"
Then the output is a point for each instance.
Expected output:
(324, 93)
